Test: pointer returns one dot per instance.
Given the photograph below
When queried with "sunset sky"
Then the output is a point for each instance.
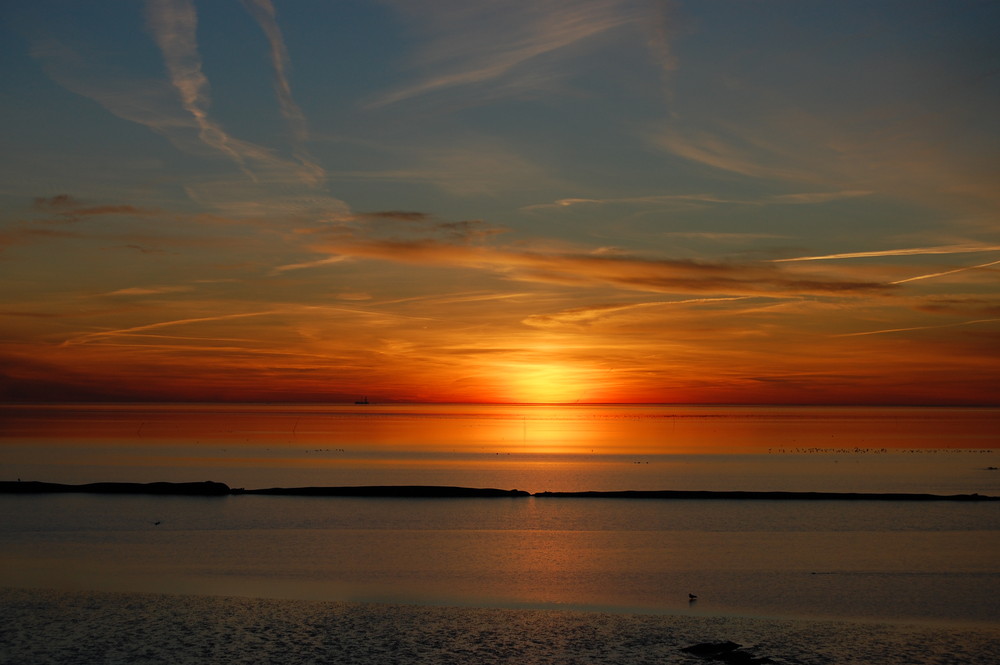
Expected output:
(542, 201)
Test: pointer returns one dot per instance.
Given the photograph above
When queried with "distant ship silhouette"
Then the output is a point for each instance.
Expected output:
(363, 400)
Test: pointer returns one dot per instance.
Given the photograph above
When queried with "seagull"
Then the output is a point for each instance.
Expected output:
(156, 523)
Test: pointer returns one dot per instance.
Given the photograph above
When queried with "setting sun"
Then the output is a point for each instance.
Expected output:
(548, 384)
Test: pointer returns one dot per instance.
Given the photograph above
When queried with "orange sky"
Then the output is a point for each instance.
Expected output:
(587, 201)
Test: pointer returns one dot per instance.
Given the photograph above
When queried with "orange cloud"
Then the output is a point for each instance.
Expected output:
(621, 271)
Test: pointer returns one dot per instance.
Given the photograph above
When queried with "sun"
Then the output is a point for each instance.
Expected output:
(549, 383)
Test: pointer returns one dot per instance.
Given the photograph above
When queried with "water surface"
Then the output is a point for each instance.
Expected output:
(873, 560)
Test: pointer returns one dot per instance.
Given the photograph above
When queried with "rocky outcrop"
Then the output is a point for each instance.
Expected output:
(725, 652)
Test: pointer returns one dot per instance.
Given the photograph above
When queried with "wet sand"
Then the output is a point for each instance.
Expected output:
(40, 627)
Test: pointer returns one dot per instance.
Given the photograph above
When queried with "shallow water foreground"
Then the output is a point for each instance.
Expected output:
(45, 627)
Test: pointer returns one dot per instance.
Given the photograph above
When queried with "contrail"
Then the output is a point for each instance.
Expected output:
(892, 330)
(263, 12)
(174, 25)
(947, 272)
(89, 337)
(943, 249)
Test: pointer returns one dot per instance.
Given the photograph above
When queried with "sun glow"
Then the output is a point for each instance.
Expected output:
(550, 384)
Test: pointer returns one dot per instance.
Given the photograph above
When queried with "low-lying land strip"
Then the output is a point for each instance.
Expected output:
(209, 488)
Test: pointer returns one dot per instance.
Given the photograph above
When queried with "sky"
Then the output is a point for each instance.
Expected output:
(724, 202)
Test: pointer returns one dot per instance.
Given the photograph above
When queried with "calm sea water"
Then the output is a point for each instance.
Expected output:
(934, 562)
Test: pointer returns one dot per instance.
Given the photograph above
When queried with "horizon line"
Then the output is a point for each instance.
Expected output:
(391, 402)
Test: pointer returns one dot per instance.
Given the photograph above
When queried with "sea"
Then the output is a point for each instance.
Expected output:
(935, 562)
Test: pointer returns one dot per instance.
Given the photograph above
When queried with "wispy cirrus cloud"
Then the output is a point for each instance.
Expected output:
(179, 107)
(592, 313)
(308, 264)
(150, 290)
(263, 12)
(300, 312)
(734, 154)
(918, 328)
(142, 249)
(652, 200)
(476, 43)
(69, 209)
(86, 338)
(174, 25)
(803, 198)
(809, 198)
(467, 164)
(589, 269)
(397, 223)
(716, 235)
(910, 251)
(946, 272)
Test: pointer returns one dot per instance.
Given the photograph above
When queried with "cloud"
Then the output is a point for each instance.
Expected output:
(86, 338)
(174, 24)
(263, 12)
(914, 328)
(357, 296)
(285, 312)
(809, 198)
(652, 200)
(308, 264)
(580, 269)
(142, 249)
(592, 313)
(402, 215)
(466, 164)
(179, 108)
(58, 201)
(453, 298)
(71, 210)
(714, 235)
(732, 154)
(396, 222)
(803, 198)
(982, 307)
(149, 290)
(284, 197)
(470, 44)
(151, 103)
(912, 251)
(946, 272)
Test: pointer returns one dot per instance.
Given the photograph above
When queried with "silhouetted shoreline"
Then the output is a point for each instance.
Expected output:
(207, 488)
(402, 491)
(769, 496)
(210, 488)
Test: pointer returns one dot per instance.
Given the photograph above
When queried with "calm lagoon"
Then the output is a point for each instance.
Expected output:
(870, 560)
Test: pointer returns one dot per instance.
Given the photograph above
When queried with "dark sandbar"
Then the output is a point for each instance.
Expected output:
(407, 491)
(770, 496)
(209, 488)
